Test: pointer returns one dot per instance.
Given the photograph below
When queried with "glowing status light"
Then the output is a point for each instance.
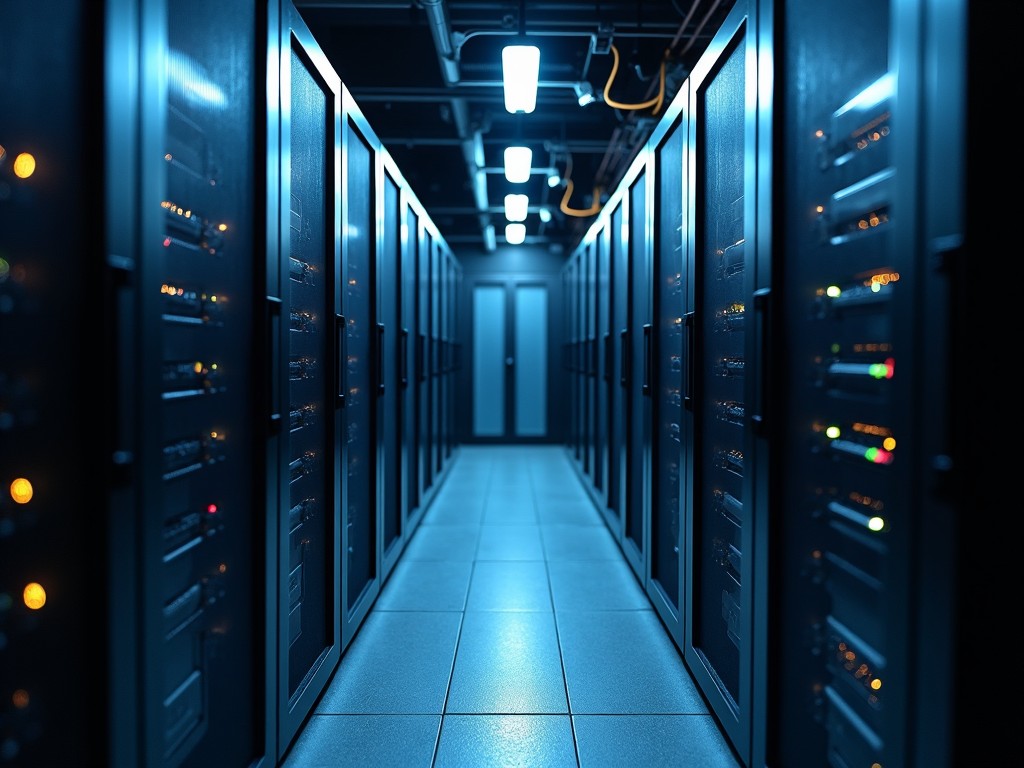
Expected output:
(24, 165)
(835, 348)
(20, 698)
(197, 368)
(222, 227)
(833, 291)
(832, 432)
(167, 242)
(876, 524)
(876, 287)
(5, 268)
(884, 370)
(819, 134)
(876, 684)
(222, 568)
(34, 596)
(211, 509)
(878, 456)
(21, 490)
(889, 443)
(819, 208)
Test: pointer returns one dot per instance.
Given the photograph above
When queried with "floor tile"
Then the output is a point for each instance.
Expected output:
(443, 542)
(425, 585)
(509, 586)
(567, 512)
(509, 511)
(595, 585)
(365, 741)
(579, 542)
(510, 542)
(651, 741)
(508, 741)
(623, 662)
(507, 663)
(398, 663)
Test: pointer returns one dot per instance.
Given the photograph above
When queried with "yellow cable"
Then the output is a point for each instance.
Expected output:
(595, 207)
(656, 102)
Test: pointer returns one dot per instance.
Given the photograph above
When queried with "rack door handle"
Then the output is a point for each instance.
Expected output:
(688, 322)
(380, 359)
(646, 388)
(274, 305)
(762, 305)
(403, 356)
(623, 357)
(340, 345)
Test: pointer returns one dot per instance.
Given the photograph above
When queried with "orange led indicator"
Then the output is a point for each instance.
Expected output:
(34, 596)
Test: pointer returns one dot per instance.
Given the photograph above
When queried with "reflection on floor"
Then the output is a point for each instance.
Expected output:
(512, 632)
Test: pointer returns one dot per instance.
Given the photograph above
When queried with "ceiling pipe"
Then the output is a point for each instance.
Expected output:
(470, 139)
(440, 30)
(473, 154)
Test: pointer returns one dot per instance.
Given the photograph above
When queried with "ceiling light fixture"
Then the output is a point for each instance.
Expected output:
(517, 164)
(554, 180)
(520, 67)
(545, 214)
(516, 206)
(515, 234)
(584, 93)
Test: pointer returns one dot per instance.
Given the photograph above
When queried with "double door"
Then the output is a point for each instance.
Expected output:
(511, 368)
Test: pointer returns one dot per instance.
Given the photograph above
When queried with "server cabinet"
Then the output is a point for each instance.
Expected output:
(388, 413)
(360, 181)
(617, 486)
(587, 264)
(412, 508)
(436, 383)
(603, 360)
(665, 565)
(874, 198)
(424, 347)
(306, 405)
(124, 620)
(637, 364)
(572, 354)
(721, 284)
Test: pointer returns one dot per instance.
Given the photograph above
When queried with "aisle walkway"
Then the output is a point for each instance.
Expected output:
(511, 633)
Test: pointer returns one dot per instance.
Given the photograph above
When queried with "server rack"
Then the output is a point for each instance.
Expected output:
(636, 364)
(389, 414)
(133, 618)
(411, 239)
(306, 492)
(360, 181)
(670, 445)
(617, 486)
(424, 351)
(722, 309)
(865, 552)
(603, 359)
(50, 556)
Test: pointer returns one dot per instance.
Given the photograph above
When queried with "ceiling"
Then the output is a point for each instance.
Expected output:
(427, 76)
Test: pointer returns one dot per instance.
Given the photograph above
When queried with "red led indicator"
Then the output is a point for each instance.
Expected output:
(167, 242)
(890, 367)
(212, 509)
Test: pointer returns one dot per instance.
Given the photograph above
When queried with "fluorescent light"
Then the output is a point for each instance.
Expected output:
(515, 207)
(515, 233)
(517, 164)
(520, 67)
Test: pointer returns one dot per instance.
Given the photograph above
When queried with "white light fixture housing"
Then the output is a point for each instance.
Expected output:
(517, 164)
(520, 68)
(584, 93)
(515, 207)
(515, 234)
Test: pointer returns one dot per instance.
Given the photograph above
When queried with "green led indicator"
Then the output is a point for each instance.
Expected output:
(835, 349)
(878, 370)
(833, 291)
(871, 454)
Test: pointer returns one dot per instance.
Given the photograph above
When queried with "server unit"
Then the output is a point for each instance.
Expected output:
(132, 625)
(874, 204)
(362, 365)
(305, 490)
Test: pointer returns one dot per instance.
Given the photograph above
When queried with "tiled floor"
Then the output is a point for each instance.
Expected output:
(511, 633)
